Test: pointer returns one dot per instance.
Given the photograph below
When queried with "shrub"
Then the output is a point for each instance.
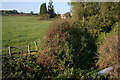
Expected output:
(108, 51)
(21, 67)
(90, 74)
(67, 46)
(44, 16)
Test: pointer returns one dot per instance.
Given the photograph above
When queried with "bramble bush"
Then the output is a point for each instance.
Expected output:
(22, 67)
(90, 74)
(66, 46)
(108, 51)
(44, 16)
(47, 17)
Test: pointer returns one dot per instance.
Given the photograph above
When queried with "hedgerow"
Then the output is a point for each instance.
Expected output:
(66, 46)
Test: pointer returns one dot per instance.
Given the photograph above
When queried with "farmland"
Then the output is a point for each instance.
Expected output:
(21, 30)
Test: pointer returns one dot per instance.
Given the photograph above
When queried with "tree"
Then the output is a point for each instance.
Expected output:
(95, 16)
(15, 12)
(43, 9)
(4, 13)
(109, 15)
(21, 13)
(81, 10)
(67, 14)
(31, 13)
(51, 9)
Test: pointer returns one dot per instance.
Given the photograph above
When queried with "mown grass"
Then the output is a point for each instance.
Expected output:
(22, 30)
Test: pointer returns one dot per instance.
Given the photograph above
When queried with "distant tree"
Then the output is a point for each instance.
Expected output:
(43, 9)
(31, 13)
(21, 13)
(67, 14)
(58, 14)
(4, 13)
(51, 9)
(15, 12)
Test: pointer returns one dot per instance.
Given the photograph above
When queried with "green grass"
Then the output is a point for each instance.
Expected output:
(21, 30)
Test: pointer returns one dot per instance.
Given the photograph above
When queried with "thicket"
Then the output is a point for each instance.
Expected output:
(100, 19)
(69, 45)
(95, 17)
(108, 45)
(67, 50)
(45, 16)
(20, 67)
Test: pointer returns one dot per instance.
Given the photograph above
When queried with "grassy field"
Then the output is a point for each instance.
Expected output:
(21, 30)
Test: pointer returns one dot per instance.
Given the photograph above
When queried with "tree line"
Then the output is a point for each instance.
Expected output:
(15, 12)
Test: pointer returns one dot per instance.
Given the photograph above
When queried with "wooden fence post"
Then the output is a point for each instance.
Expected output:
(39, 41)
(36, 45)
(9, 51)
(29, 50)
